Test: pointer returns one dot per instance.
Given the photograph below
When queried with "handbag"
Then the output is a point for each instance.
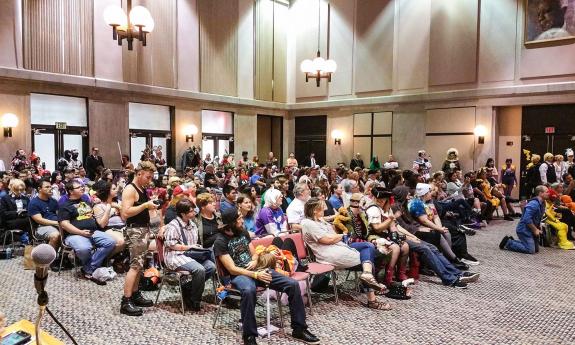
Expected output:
(198, 254)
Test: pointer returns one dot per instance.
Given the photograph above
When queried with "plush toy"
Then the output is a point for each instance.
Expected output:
(342, 221)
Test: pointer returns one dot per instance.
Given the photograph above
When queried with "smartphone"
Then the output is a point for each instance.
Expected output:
(16, 338)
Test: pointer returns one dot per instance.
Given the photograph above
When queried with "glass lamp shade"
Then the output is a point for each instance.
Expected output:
(330, 66)
(114, 15)
(480, 131)
(140, 15)
(191, 130)
(336, 134)
(9, 120)
(306, 66)
(319, 64)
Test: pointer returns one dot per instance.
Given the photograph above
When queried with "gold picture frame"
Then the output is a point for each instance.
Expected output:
(549, 22)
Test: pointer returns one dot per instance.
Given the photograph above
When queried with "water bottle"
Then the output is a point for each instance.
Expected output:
(24, 239)
(8, 253)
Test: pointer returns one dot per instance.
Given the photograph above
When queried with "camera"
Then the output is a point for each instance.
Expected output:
(157, 202)
(396, 237)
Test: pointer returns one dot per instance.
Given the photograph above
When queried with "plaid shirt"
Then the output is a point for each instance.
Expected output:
(173, 236)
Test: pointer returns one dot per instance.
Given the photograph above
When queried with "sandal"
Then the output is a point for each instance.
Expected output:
(378, 305)
(369, 280)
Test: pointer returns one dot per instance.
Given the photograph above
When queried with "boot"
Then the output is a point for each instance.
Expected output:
(401, 275)
(414, 266)
(389, 273)
(127, 307)
(139, 300)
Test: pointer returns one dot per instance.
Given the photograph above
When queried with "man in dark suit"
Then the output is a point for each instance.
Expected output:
(92, 162)
(310, 161)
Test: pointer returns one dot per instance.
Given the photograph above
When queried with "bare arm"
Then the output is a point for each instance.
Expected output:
(426, 222)
(104, 212)
(231, 267)
(129, 198)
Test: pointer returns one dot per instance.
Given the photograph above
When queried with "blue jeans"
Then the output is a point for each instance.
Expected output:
(103, 243)
(199, 272)
(436, 261)
(366, 251)
(280, 283)
(525, 244)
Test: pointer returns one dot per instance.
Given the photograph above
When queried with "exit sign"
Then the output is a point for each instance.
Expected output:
(549, 130)
(61, 125)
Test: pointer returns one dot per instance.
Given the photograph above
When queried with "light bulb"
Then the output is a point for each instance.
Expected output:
(140, 15)
(480, 130)
(330, 66)
(114, 15)
(9, 120)
(191, 130)
(319, 64)
(306, 66)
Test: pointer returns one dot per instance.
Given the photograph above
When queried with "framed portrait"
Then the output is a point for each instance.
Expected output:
(548, 21)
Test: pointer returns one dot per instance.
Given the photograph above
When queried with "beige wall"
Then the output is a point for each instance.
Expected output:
(246, 133)
(109, 119)
(11, 33)
(509, 130)
(18, 104)
(186, 115)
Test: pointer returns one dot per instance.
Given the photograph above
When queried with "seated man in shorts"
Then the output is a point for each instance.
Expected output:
(43, 210)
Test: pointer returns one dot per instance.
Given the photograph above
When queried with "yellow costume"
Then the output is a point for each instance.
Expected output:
(559, 226)
(486, 189)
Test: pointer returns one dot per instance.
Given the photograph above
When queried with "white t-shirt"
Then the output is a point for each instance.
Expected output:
(295, 211)
(375, 214)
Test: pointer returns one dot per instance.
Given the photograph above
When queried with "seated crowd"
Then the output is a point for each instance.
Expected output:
(383, 222)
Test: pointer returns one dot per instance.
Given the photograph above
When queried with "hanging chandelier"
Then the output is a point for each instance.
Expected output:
(137, 24)
(319, 67)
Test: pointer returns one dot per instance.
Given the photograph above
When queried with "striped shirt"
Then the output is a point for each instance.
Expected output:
(173, 236)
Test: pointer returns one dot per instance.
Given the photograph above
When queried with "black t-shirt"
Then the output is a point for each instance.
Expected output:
(329, 211)
(207, 178)
(79, 213)
(210, 230)
(238, 247)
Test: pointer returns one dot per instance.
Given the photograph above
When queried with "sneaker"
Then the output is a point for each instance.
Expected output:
(503, 242)
(469, 277)
(460, 265)
(458, 284)
(91, 278)
(508, 217)
(467, 230)
(470, 260)
(305, 336)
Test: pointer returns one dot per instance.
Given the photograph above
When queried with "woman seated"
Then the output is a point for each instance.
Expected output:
(271, 218)
(246, 209)
(181, 238)
(328, 248)
(329, 212)
(107, 213)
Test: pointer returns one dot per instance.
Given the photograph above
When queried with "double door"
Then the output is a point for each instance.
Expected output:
(50, 143)
(152, 141)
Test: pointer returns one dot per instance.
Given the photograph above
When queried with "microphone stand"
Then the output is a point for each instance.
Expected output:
(43, 306)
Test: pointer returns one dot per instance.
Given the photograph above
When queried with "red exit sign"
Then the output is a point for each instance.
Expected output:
(549, 130)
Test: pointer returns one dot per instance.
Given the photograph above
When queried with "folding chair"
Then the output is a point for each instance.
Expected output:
(171, 277)
(234, 294)
(298, 276)
(314, 268)
(66, 250)
(33, 230)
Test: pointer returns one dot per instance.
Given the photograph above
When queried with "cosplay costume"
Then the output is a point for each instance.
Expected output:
(451, 162)
(422, 165)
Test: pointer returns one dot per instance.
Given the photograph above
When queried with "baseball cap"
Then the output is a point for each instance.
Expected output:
(179, 190)
(422, 188)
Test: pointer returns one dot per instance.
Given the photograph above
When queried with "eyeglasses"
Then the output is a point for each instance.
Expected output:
(78, 187)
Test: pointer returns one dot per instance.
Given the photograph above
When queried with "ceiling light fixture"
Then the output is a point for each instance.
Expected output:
(318, 68)
(137, 24)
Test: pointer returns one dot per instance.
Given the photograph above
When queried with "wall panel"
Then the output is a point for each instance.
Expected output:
(52, 41)
(109, 120)
(245, 48)
(408, 138)
(497, 40)
(453, 42)
(218, 46)
(413, 48)
(450, 120)
(188, 38)
(437, 147)
(11, 33)
(373, 54)
(341, 30)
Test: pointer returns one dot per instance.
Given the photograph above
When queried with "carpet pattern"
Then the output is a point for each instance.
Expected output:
(519, 299)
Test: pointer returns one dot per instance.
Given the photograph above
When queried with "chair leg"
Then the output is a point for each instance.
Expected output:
(61, 261)
(309, 299)
(280, 307)
(334, 278)
(182, 296)
(215, 289)
(75, 266)
(159, 290)
(217, 313)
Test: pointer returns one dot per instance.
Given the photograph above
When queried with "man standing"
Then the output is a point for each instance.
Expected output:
(529, 225)
(43, 210)
(93, 161)
(136, 211)
(356, 162)
(547, 170)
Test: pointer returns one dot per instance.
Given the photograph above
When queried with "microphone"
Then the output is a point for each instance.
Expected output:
(43, 255)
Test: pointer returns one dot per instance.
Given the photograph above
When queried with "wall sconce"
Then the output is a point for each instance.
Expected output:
(190, 131)
(336, 135)
(480, 132)
(9, 121)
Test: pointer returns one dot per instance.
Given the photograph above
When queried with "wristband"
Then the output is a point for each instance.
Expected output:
(256, 275)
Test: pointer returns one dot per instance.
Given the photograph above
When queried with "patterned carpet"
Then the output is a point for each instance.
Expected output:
(520, 299)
